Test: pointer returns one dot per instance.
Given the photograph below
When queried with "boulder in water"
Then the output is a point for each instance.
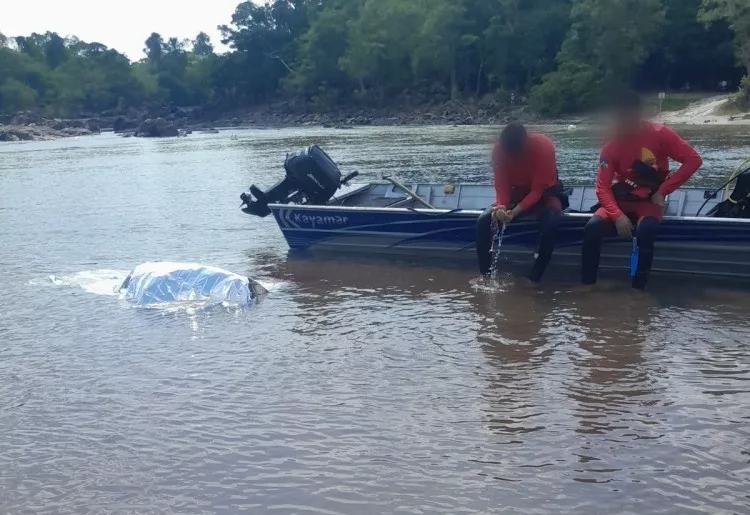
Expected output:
(122, 124)
(8, 136)
(23, 133)
(157, 128)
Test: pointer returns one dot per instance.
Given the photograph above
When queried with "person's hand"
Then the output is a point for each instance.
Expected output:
(498, 214)
(658, 199)
(504, 217)
(511, 215)
(624, 227)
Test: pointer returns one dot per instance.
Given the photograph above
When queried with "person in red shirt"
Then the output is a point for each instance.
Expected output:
(526, 183)
(632, 184)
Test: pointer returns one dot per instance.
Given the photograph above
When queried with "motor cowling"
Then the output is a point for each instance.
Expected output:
(312, 177)
(315, 172)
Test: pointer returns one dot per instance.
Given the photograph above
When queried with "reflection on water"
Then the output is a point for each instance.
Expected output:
(572, 388)
(359, 386)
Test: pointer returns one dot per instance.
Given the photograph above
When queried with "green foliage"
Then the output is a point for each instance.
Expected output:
(55, 51)
(687, 52)
(573, 87)
(265, 39)
(565, 55)
(381, 41)
(202, 45)
(439, 40)
(736, 13)
(607, 41)
(154, 48)
(613, 35)
(145, 79)
(66, 77)
(17, 94)
(741, 100)
(320, 50)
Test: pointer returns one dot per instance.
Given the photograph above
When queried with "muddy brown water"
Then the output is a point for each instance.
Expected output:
(358, 386)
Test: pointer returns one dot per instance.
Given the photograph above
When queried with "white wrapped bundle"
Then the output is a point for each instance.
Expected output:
(160, 283)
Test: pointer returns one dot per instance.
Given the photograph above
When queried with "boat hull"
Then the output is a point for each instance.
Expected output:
(701, 246)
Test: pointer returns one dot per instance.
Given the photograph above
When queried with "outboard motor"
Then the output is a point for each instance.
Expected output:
(311, 178)
(738, 204)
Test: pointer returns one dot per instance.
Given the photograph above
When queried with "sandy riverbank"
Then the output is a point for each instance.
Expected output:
(706, 111)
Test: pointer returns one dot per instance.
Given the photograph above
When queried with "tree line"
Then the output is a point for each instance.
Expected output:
(561, 55)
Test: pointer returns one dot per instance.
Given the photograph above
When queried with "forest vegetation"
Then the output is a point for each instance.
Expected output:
(560, 56)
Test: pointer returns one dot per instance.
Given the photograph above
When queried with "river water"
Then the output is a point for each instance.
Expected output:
(357, 387)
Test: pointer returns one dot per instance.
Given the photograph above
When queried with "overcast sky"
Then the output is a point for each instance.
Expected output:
(120, 25)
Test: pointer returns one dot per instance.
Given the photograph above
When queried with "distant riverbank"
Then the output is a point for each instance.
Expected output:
(173, 121)
(30, 126)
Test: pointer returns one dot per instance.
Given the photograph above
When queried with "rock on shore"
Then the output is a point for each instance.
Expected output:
(286, 114)
(169, 121)
(33, 132)
(157, 128)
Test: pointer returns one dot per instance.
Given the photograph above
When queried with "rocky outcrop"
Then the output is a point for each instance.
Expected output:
(157, 128)
(122, 124)
(34, 132)
(289, 114)
(6, 134)
(168, 121)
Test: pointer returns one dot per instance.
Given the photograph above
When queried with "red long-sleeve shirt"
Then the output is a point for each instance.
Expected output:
(655, 146)
(528, 175)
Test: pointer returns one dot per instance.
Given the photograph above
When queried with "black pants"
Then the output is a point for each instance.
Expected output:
(549, 222)
(593, 235)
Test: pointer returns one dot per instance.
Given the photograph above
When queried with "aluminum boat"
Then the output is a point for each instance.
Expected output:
(319, 211)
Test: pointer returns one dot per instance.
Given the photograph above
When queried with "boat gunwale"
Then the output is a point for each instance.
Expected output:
(477, 212)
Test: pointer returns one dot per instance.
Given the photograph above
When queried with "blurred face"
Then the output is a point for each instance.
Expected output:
(513, 141)
(627, 121)
(515, 149)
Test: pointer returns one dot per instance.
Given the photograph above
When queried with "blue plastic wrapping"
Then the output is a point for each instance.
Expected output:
(161, 283)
